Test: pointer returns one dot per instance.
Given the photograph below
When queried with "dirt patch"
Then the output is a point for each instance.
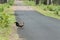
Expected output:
(13, 35)
(22, 8)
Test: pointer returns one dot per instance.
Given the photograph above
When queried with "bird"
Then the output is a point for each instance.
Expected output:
(20, 24)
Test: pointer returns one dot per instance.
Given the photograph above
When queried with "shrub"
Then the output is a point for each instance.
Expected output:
(6, 19)
(1, 8)
(50, 8)
(45, 8)
(4, 6)
(5, 15)
(56, 12)
(10, 2)
(59, 14)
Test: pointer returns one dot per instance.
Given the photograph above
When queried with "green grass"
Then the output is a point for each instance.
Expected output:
(29, 3)
(6, 20)
(47, 10)
(11, 2)
(4, 33)
(47, 13)
(53, 12)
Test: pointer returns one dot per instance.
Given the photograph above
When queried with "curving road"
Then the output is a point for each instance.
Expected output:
(37, 26)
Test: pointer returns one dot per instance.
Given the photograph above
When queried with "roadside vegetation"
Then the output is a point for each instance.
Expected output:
(51, 10)
(6, 20)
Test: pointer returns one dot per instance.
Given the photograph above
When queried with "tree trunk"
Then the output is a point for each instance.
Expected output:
(3, 1)
(37, 2)
(50, 1)
(47, 2)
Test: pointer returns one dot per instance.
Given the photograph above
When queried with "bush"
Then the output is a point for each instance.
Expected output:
(5, 15)
(6, 19)
(51, 8)
(59, 14)
(1, 8)
(10, 2)
(56, 12)
(4, 6)
(45, 8)
(29, 3)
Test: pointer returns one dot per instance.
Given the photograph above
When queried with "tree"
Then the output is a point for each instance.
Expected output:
(37, 2)
(48, 2)
(3, 1)
(45, 2)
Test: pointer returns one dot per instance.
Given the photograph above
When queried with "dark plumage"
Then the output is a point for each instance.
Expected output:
(17, 24)
(20, 24)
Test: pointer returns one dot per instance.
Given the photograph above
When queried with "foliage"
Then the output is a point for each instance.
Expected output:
(1, 8)
(10, 2)
(4, 6)
(6, 19)
(48, 10)
(30, 3)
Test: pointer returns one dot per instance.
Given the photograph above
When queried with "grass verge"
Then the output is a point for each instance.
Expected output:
(46, 13)
(47, 10)
(6, 20)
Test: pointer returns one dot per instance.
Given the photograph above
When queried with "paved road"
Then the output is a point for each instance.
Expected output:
(37, 26)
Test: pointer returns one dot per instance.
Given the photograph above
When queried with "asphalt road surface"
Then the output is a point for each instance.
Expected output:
(37, 26)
